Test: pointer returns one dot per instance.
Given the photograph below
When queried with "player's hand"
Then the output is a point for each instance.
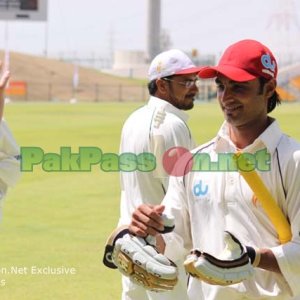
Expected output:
(147, 220)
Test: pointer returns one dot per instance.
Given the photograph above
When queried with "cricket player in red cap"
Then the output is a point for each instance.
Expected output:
(232, 245)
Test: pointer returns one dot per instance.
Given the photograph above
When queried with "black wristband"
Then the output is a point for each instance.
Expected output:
(167, 229)
(251, 253)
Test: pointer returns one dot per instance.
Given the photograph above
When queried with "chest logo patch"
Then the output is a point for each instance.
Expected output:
(200, 189)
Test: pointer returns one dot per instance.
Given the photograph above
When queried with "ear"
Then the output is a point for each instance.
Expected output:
(162, 86)
(270, 88)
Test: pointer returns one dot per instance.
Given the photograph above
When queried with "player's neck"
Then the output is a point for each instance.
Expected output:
(244, 136)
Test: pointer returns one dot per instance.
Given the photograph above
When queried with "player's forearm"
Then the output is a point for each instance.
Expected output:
(268, 261)
(3, 81)
(267, 258)
(1, 104)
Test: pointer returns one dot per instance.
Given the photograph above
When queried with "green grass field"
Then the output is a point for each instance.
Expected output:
(62, 219)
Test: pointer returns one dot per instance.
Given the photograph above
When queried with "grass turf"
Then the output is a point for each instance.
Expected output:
(62, 219)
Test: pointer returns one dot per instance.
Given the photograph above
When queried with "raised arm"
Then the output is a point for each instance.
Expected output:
(3, 81)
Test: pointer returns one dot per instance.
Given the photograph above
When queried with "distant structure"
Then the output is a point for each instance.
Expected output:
(284, 29)
(284, 37)
(130, 63)
(135, 63)
(153, 29)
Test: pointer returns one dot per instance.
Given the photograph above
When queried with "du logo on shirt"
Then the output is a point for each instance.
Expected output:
(200, 189)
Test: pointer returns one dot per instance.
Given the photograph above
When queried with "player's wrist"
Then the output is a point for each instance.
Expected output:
(254, 255)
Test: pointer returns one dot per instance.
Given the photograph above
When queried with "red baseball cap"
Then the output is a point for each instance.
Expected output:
(244, 61)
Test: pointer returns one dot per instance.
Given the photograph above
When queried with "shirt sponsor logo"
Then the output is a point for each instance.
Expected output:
(200, 189)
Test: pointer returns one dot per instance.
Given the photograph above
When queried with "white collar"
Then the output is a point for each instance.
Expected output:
(168, 107)
(269, 138)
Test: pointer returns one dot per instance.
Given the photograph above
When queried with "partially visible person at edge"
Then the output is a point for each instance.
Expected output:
(246, 91)
(9, 150)
(154, 128)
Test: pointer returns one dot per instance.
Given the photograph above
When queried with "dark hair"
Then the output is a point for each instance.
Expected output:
(152, 87)
(274, 100)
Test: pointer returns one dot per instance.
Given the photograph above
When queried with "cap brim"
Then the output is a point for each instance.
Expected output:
(188, 71)
(232, 73)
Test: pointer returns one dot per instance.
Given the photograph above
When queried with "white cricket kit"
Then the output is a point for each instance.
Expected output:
(9, 160)
(205, 203)
(153, 128)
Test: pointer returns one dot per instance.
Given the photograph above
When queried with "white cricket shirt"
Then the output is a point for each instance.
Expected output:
(153, 128)
(205, 203)
(9, 161)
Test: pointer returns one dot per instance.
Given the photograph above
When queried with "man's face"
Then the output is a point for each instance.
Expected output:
(181, 90)
(243, 103)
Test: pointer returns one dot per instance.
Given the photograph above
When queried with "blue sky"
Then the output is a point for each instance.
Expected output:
(207, 25)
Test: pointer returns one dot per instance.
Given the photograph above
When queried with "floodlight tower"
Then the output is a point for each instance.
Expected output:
(153, 28)
(285, 31)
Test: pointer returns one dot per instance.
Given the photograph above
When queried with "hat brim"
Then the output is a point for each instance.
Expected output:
(232, 73)
(188, 71)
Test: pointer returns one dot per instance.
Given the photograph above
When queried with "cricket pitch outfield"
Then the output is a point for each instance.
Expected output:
(56, 223)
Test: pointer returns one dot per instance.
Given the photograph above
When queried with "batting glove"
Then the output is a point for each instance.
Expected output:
(232, 266)
(138, 259)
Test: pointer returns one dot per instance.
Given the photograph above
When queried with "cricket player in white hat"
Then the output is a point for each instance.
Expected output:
(154, 128)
